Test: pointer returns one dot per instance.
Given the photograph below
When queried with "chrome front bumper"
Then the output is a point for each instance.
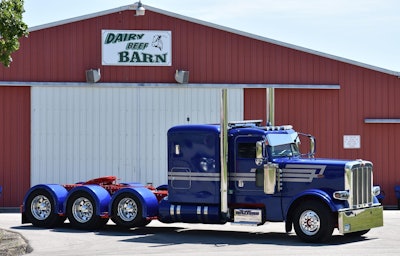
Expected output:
(360, 219)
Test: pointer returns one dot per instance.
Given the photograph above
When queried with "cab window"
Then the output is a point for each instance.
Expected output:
(247, 150)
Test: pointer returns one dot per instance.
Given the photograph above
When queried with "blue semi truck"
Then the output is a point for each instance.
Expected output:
(238, 172)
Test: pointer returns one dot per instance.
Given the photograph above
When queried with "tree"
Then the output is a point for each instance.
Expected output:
(11, 28)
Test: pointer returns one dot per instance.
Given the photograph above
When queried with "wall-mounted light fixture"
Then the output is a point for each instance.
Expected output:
(140, 9)
(182, 76)
(93, 75)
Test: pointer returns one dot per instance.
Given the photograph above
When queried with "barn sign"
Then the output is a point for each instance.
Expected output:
(136, 47)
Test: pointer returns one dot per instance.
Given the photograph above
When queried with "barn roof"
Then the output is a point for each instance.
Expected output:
(216, 26)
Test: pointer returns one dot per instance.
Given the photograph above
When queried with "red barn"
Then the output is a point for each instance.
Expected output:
(84, 97)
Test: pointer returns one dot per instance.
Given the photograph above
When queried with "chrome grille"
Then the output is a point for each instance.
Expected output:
(359, 180)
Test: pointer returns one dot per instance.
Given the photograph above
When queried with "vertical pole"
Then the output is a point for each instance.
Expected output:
(270, 106)
(224, 152)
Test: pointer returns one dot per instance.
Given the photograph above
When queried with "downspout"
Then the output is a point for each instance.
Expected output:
(224, 153)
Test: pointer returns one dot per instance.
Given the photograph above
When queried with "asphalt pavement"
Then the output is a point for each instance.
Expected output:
(192, 239)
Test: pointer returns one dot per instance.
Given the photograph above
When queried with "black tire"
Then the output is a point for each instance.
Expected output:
(127, 211)
(313, 222)
(40, 209)
(81, 211)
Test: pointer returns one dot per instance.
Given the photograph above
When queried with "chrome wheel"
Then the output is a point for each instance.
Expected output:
(309, 222)
(40, 207)
(127, 209)
(82, 210)
(313, 221)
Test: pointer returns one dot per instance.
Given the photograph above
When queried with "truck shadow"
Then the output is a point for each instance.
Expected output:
(169, 235)
(161, 236)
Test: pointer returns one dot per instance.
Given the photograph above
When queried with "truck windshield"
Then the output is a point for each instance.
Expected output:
(285, 150)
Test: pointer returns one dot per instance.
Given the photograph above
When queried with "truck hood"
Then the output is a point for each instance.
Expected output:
(311, 161)
(328, 172)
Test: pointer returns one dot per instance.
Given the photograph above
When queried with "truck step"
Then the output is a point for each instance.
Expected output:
(246, 223)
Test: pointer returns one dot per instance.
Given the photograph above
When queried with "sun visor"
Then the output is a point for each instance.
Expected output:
(276, 139)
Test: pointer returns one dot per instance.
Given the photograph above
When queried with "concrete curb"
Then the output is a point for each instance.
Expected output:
(13, 243)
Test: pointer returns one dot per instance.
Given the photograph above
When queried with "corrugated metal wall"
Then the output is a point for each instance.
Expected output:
(14, 144)
(331, 114)
(83, 133)
(215, 55)
(63, 53)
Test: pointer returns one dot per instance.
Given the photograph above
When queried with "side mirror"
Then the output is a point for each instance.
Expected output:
(259, 153)
(312, 149)
(312, 146)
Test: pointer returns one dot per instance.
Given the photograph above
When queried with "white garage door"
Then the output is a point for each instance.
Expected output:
(80, 133)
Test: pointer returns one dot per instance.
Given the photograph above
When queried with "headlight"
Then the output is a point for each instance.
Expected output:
(376, 190)
(341, 195)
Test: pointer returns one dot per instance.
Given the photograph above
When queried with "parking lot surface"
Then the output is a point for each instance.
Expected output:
(199, 239)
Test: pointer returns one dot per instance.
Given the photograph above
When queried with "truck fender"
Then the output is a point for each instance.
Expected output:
(147, 199)
(58, 192)
(315, 194)
(99, 194)
(132, 184)
(162, 187)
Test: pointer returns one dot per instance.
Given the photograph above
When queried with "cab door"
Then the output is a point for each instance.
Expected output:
(248, 170)
(247, 179)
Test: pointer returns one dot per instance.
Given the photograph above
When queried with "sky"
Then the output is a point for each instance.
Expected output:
(365, 31)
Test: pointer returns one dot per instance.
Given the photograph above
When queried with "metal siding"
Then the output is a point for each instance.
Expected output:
(312, 111)
(82, 133)
(14, 144)
(381, 140)
(330, 114)
(63, 53)
(212, 55)
(255, 104)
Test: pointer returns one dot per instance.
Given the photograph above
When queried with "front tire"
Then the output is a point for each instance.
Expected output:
(127, 211)
(81, 211)
(40, 209)
(313, 222)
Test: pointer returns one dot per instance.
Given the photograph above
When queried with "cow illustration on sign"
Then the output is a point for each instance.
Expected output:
(157, 42)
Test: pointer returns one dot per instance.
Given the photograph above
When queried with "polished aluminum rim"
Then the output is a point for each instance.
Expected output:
(82, 210)
(41, 207)
(310, 222)
(127, 209)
